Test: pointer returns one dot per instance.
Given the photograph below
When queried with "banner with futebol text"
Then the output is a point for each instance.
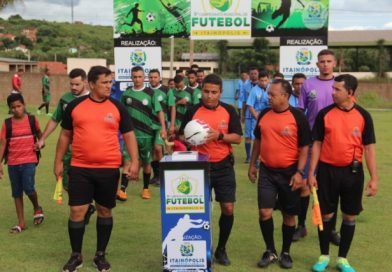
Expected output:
(220, 19)
(275, 18)
(151, 18)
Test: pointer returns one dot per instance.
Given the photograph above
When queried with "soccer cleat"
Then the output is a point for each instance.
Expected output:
(299, 233)
(335, 238)
(146, 194)
(221, 257)
(343, 265)
(100, 262)
(321, 264)
(74, 263)
(285, 260)
(121, 195)
(268, 258)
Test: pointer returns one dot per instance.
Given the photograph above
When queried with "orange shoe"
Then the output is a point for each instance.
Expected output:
(146, 194)
(122, 196)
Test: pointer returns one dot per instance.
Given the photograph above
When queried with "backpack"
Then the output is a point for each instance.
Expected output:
(8, 135)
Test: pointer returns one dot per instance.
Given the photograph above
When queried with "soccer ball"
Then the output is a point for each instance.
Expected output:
(270, 28)
(150, 17)
(196, 131)
(206, 225)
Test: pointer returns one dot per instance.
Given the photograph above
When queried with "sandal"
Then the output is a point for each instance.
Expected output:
(38, 216)
(17, 229)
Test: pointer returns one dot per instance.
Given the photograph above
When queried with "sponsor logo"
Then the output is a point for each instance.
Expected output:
(138, 57)
(356, 132)
(312, 95)
(304, 56)
(109, 118)
(222, 5)
(315, 15)
(187, 249)
(286, 131)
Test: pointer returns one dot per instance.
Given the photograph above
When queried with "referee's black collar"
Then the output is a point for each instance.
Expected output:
(210, 108)
(96, 101)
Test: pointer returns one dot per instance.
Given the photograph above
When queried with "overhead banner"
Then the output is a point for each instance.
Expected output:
(299, 55)
(275, 18)
(127, 57)
(220, 19)
(151, 18)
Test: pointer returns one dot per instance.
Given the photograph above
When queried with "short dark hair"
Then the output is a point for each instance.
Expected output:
(213, 79)
(96, 71)
(263, 73)
(298, 75)
(154, 71)
(194, 66)
(136, 69)
(200, 71)
(286, 86)
(253, 68)
(170, 80)
(189, 72)
(325, 52)
(14, 97)
(77, 72)
(278, 74)
(350, 81)
(178, 71)
(178, 79)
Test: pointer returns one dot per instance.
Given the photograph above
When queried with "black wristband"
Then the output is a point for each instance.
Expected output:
(301, 171)
(220, 137)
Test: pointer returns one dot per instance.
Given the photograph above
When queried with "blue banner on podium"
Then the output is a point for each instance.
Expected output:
(185, 215)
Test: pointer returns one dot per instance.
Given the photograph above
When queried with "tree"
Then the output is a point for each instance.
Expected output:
(222, 51)
(4, 3)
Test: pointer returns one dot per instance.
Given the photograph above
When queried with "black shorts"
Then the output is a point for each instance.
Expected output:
(222, 179)
(274, 184)
(334, 182)
(88, 184)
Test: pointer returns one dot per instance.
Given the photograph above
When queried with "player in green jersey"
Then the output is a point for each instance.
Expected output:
(146, 112)
(194, 85)
(183, 96)
(167, 100)
(45, 93)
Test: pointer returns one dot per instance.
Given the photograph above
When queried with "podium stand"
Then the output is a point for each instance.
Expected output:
(185, 214)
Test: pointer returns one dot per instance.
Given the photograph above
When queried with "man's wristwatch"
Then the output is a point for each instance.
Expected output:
(301, 172)
(220, 137)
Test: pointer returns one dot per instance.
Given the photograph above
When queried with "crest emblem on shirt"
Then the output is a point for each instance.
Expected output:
(109, 118)
(356, 132)
(160, 98)
(286, 131)
(145, 102)
(199, 95)
(223, 124)
(186, 98)
(65, 106)
(128, 101)
(312, 95)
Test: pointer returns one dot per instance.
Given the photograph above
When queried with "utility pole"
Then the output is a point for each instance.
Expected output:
(72, 11)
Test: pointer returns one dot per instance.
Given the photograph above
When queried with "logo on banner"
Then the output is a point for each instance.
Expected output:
(187, 249)
(222, 5)
(184, 194)
(314, 15)
(304, 56)
(138, 57)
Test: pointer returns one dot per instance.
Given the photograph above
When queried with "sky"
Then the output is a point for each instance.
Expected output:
(344, 14)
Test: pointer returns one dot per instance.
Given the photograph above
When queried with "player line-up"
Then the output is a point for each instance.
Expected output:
(281, 150)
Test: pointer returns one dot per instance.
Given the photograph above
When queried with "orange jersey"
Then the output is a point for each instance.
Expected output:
(281, 134)
(223, 118)
(343, 134)
(95, 126)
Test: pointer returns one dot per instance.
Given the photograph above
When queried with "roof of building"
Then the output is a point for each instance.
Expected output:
(18, 61)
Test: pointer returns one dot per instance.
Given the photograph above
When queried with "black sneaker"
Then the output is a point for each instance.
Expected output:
(221, 256)
(285, 260)
(74, 263)
(335, 238)
(91, 209)
(268, 258)
(100, 262)
(299, 233)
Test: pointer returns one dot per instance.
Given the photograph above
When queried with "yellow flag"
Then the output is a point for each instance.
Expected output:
(58, 192)
(316, 212)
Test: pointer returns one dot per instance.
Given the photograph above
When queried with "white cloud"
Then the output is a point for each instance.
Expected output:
(388, 25)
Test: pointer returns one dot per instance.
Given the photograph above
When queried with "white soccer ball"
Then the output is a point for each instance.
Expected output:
(150, 17)
(196, 131)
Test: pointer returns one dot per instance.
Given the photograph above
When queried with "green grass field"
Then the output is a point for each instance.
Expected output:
(136, 239)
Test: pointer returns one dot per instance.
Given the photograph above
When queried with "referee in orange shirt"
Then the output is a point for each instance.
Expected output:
(95, 162)
(225, 130)
(282, 138)
(342, 133)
